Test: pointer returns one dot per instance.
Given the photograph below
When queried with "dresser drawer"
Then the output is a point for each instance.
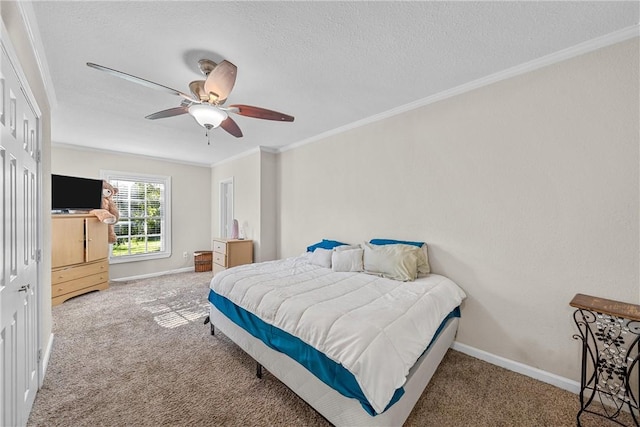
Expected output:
(220, 247)
(77, 284)
(220, 259)
(71, 273)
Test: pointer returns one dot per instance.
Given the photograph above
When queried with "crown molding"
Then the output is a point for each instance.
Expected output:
(553, 58)
(255, 150)
(121, 153)
(31, 26)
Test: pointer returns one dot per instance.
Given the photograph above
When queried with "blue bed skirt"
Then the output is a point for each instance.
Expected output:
(331, 373)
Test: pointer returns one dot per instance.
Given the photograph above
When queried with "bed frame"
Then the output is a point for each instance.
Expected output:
(336, 408)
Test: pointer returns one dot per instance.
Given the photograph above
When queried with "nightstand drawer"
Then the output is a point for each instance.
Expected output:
(217, 269)
(229, 253)
(220, 247)
(220, 259)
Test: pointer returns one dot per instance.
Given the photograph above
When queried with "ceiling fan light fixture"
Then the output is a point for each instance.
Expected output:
(207, 115)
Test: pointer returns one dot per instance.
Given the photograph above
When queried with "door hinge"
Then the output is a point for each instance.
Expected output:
(38, 156)
(38, 255)
(39, 355)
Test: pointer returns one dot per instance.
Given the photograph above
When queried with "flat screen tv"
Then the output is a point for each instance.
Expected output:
(71, 193)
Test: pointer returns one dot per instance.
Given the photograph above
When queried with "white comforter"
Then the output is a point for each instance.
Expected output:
(375, 327)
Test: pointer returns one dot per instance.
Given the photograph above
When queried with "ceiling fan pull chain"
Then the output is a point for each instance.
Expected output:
(208, 128)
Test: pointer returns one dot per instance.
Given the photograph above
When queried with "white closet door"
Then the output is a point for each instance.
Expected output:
(19, 219)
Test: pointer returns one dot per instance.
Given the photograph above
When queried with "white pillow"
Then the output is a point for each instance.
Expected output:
(423, 261)
(347, 260)
(421, 253)
(398, 262)
(321, 257)
(346, 247)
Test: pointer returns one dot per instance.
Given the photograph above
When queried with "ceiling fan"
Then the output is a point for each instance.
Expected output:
(205, 104)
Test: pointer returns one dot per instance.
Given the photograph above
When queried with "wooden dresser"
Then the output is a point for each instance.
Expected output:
(229, 253)
(79, 256)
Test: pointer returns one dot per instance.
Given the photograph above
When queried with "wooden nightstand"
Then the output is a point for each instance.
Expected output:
(229, 253)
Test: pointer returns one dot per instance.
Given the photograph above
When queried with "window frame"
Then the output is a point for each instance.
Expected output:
(109, 175)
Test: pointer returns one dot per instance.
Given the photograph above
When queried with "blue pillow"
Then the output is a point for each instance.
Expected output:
(394, 242)
(325, 244)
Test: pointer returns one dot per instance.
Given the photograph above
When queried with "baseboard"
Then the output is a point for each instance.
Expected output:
(45, 360)
(521, 368)
(156, 274)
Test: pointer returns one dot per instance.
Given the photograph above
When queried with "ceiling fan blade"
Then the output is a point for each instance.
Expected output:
(176, 111)
(220, 81)
(260, 113)
(231, 126)
(140, 81)
(197, 89)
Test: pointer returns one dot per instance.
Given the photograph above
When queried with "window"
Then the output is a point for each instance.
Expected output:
(144, 229)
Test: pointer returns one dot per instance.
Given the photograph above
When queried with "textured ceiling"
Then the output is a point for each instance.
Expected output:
(329, 64)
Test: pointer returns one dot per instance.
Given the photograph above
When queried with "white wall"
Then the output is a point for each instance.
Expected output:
(268, 206)
(245, 172)
(527, 192)
(254, 179)
(190, 202)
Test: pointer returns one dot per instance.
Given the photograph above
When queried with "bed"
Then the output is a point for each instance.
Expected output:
(359, 348)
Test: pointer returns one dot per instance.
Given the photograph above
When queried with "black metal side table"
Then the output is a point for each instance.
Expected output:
(610, 376)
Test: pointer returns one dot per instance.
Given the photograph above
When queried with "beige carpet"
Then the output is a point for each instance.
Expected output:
(138, 354)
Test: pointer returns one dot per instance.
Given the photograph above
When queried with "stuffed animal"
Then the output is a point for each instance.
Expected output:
(108, 191)
(104, 216)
